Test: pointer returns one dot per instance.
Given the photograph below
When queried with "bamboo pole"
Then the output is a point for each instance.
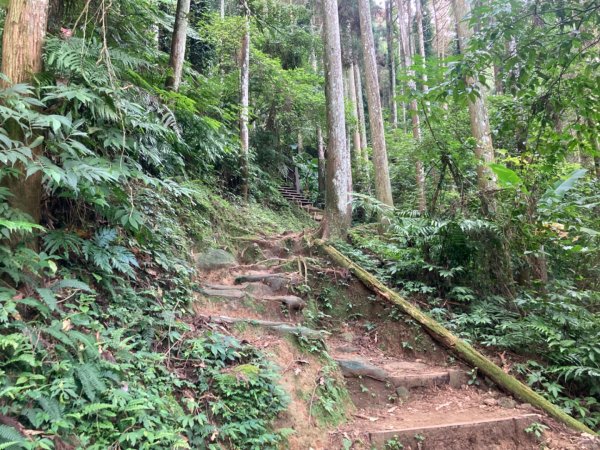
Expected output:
(454, 344)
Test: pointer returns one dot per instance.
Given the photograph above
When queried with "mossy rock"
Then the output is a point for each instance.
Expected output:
(215, 259)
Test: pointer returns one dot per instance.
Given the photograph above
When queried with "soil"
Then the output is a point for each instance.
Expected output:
(406, 391)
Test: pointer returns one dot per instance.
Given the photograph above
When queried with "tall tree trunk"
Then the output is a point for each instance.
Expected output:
(421, 37)
(22, 44)
(389, 26)
(320, 145)
(178, 44)
(383, 188)
(356, 141)
(337, 198)
(364, 143)
(413, 105)
(222, 9)
(321, 164)
(244, 103)
(596, 148)
(480, 126)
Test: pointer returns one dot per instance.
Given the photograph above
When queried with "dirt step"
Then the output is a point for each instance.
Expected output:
(280, 327)
(407, 374)
(275, 281)
(291, 302)
(452, 433)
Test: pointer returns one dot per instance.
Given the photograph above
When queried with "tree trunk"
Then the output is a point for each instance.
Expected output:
(178, 44)
(413, 105)
(364, 143)
(421, 36)
(356, 141)
(321, 163)
(22, 45)
(222, 9)
(244, 105)
(389, 25)
(297, 180)
(383, 188)
(320, 146)
(337, 199)
(453, 343)
(480, 126)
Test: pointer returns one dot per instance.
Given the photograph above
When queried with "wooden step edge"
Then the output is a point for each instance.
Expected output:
(442, 435)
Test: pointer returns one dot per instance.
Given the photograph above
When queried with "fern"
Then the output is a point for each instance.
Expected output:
(10, 437)
(90, 378)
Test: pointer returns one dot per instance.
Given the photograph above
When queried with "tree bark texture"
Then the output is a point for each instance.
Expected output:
(178, 42)
(413, 105)
(337, 199)
(244, 106)
(391, 60)
(22, 46)
(356, 141)
(478, 114)
(421, 37)
(459, 347)
(364, 143)
(383, 188)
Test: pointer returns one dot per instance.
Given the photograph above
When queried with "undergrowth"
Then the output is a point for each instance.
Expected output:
(552, 334)
(96, 352)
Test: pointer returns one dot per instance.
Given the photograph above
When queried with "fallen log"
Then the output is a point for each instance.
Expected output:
(463, 350)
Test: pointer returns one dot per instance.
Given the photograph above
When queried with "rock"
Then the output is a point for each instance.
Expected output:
(291, 302)
(223, 293)
(215, 259)
(507, 402)
(348, 349)
(525, 406)
(275, 281)
(259, 289)
(490, 402)
(402, 393)
(456, 378)
(358, 368)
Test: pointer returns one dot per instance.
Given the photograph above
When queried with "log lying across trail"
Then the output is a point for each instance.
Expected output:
(463, 350)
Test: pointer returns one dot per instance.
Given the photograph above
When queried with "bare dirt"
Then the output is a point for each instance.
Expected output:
(416, 395)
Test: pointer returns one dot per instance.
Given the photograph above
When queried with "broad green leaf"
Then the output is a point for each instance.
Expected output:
(506, 177)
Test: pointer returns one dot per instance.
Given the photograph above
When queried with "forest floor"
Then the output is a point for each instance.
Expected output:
(359, 374)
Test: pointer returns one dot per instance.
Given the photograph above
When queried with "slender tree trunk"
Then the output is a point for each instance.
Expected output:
(22, 44)
(337, 198)
(383, 188)
(364, 143)
(421, 36)
(389, 22)
(413, 105)
(596, 148)
(320, 144)
(244, 104)
(297, 180)
(222, 9)
(356, 141)
(178, 44)
(480, 126)
(321, 163)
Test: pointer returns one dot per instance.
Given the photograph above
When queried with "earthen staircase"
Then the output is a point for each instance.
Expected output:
(293, 196)
(400, 403)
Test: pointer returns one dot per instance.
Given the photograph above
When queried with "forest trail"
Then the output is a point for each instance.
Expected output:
(400, 400)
